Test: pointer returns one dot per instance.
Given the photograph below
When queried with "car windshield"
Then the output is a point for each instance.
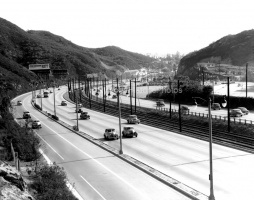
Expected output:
(110, 130)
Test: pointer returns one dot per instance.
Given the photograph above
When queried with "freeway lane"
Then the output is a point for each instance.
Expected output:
(181, 157)
(96, 173)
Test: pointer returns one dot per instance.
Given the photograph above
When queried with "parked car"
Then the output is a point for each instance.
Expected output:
(216, 106)
(26, 115)
(79, 110)
(160, 102)
(129, 131)
(36, 124)
(133, 119)
(114, 96)
(185, 109)
(236, 113)
(84, 115)
(63, 103)
(244, 110)
(38, 95)
(50, 91)
(19, 103)
(80, 105)
(110, 133)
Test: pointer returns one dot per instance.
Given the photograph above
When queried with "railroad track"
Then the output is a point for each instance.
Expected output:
(149, 117)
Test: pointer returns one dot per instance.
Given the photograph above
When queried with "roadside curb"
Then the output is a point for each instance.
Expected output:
(171, 182)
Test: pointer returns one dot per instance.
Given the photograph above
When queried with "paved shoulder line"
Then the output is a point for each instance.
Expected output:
(173, 183)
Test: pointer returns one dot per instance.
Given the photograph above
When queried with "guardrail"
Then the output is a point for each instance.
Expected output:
(216, 117)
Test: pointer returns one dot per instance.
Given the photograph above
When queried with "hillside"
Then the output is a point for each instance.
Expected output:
(19, 48)
(232, 49)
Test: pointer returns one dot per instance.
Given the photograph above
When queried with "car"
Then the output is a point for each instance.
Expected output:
(26, 115)
(114, 96)
(19, 103)
(160, 103)
(63, 103)
(110, 133)
(84, 115)
(129, 131)
(38, 95)
(185, 109)
(59, 89)
(244, 110)
(36, 124)
(236, 113)
(133, 119)
(50, 91)
(216, 106)
(79, 110)
(79, 105)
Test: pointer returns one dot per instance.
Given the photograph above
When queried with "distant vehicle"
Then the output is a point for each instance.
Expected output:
(185, 109)
(84, 115)
(216, 106)
(19, 103)
(160, 103)
(129, 131)
(110, 133)
(26, 115)
(46, 94)
(133, 119)
(79, 110)
(63, 103)
(38, 95)
(236, 113)
(59, 88)
(50, 91)
(244, 110)
(114, 96)
(80, 105)
(36, 124)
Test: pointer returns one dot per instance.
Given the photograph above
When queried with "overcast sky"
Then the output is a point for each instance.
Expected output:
(144, 26)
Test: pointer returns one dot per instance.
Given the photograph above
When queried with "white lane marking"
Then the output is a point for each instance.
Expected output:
(120, 178)
(49, 146)
(92, 187)
(71, 188)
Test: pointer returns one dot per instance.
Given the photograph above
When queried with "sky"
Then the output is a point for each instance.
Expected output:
(155, 27)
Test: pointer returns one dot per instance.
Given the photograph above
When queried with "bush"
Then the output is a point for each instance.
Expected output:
(55, 117)
(51, 184)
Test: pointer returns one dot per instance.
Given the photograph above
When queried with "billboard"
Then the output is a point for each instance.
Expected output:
(39, 66)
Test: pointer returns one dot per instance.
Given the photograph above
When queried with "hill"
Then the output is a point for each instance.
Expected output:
(19, 48)
(232, 49)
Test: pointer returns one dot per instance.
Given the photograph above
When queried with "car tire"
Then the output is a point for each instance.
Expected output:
(136, 134)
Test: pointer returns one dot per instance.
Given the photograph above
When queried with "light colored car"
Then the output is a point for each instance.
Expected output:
(26, 115)
(244, 110)
(38, 95)
(36, 124)
(63, 103)
(236, 113)
(129, 131)
(133, 119)
(19, 103)
(80, 105)
(84, 115)
(160, 103)
(216, 106)
(110, 133)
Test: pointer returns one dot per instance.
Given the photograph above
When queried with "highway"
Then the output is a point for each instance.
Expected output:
(183, 158)
(97, 174)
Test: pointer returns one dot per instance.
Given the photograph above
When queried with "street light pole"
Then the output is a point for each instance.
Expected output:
(77, 129)
(170, 99)
(119, 107)
(246, 79)
(135, 95)
(54, 100)
(179, 108)
(228, 103)
(211, 196)
(130, 97)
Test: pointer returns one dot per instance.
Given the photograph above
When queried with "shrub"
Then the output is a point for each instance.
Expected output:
(51, 184)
